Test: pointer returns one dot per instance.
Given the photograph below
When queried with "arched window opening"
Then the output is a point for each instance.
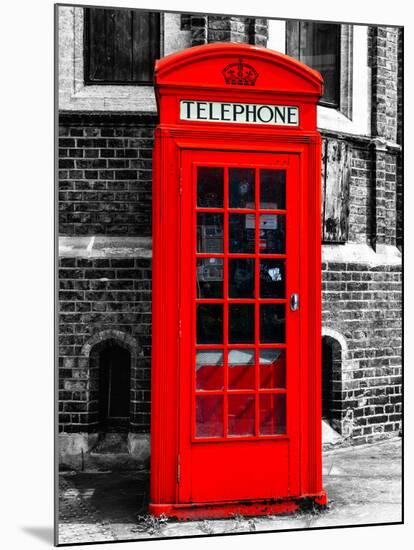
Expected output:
(114, 387)
(331, 379)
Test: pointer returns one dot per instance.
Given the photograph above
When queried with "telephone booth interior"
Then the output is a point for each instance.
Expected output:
(236, 398)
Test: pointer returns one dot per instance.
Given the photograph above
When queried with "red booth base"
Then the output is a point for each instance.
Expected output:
(217, 510)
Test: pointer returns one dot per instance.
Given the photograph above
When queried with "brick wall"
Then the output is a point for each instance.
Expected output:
(105, 174)
(364, 304)
(400, 137)
(384, 64)
(97, 295)
(211, 28)
(246, 30)
(105, 181)
(360, 196)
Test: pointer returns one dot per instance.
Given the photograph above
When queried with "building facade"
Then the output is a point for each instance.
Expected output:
(107, 116)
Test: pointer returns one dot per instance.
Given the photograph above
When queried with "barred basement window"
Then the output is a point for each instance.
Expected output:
(318, 45)
(121, 46)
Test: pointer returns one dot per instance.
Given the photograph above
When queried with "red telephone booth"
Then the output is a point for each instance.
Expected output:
(236, 383)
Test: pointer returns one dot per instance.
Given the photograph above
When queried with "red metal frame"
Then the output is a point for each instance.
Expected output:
(179, 459)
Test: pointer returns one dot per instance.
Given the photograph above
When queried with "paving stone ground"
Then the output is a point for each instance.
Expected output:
(363, 485)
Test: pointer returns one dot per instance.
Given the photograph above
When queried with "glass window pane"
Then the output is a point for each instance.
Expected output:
(241, 188)
(209, 324)
(210, 187)
(272, 323)
(272, 234)
(209, 416)
(241, 369)
(210, 278)
(209, 232)
(209, 369)
(241, 323)
(241, 233)
(272, 278)
(272, 414)
(241, 414)
(272, 368)
(241, 278)
(320, 49)
(319, 46)
(272, 189)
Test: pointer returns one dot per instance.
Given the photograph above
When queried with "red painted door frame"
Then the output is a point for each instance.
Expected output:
(270, 463)
(178, 459)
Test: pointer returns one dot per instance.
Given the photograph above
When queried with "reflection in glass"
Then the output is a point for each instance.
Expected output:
(272, 189)
(241, 323)
(272, 278)
(241, 278)
(209, 416)
(272, 323)
(209, 323)
(272, 368)
(209, 369)
(241, 369)
(241, 233)
(209, 232)
(272, 414)
(272, 234)
(241, 414)
(241, 188)
(210, 278)
(210, 187)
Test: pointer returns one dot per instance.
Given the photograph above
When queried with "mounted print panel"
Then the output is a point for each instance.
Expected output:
(229, 311)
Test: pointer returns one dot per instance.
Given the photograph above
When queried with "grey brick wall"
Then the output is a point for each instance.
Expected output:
(96, 295)
(105, 174)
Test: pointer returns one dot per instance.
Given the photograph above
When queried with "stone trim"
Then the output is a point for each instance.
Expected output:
(122, 338)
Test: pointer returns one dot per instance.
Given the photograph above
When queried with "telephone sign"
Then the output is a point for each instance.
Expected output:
(248, 113)
(236, 382)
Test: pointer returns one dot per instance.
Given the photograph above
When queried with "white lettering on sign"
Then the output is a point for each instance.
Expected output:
(246, 113)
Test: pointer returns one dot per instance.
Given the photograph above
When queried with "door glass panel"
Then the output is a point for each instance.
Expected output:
(272, 189)
(272, 234)
(272, 278)
(241, 414)
(209, 324)
(209, 416)
(210, 187)
(241, 233)
(209, 369)
(272, 323)
(241, 278)
(210, 278)
(272, 368)
(209, 232)
(272, 414)
(241, 323)
(237, 375)
(241, 188)
(241, 369)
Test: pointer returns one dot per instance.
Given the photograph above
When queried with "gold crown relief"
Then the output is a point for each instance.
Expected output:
(240, 73)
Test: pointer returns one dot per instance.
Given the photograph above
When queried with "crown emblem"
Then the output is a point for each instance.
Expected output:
(240, 73)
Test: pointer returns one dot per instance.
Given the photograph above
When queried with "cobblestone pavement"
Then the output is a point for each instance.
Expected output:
(363, 486)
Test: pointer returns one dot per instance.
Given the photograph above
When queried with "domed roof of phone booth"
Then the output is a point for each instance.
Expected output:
(245, 67)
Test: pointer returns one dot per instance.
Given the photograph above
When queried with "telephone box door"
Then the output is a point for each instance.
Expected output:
(239, 418)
